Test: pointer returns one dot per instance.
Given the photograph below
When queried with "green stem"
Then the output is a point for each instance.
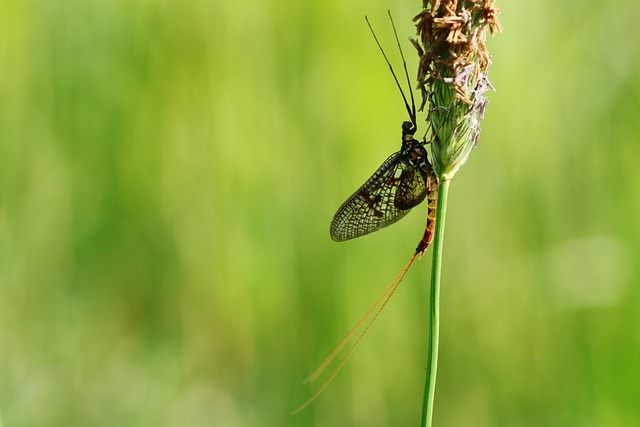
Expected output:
(434, 308)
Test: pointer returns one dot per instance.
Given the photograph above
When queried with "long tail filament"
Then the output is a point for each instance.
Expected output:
(386, 296)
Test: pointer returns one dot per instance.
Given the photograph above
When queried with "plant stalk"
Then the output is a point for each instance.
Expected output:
(434, 308)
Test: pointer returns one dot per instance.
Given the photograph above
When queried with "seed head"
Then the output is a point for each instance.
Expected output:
(453, 74)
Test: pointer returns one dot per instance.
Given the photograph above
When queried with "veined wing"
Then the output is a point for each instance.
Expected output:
(383, 199)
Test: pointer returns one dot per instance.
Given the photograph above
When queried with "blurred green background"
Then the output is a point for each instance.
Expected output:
(168, 171)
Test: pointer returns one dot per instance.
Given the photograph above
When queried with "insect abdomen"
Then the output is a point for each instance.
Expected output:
(429, 230)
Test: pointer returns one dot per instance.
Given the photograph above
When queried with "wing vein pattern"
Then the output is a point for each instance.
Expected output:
(386, 197)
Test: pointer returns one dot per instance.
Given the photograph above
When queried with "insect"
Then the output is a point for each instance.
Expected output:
(402, 182)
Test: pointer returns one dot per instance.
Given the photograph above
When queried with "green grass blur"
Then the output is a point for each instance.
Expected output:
(168, 171)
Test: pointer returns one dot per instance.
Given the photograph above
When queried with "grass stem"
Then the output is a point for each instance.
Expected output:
(434, 308)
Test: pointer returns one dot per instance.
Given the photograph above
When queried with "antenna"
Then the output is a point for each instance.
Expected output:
(410, 110)
(404, 63)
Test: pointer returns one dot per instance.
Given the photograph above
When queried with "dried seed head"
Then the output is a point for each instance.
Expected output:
(453, 74)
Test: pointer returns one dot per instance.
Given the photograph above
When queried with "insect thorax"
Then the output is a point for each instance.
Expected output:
(415, 155)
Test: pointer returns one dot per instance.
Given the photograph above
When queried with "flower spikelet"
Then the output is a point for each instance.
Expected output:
(453, 74)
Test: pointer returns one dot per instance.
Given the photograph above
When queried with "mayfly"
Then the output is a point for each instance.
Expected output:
(401, 183)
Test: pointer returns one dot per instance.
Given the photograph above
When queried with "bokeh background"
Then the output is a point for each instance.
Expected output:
(168, 171)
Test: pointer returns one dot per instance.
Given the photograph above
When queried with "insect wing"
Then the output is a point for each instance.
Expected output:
(383, 199)
(412, 189)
